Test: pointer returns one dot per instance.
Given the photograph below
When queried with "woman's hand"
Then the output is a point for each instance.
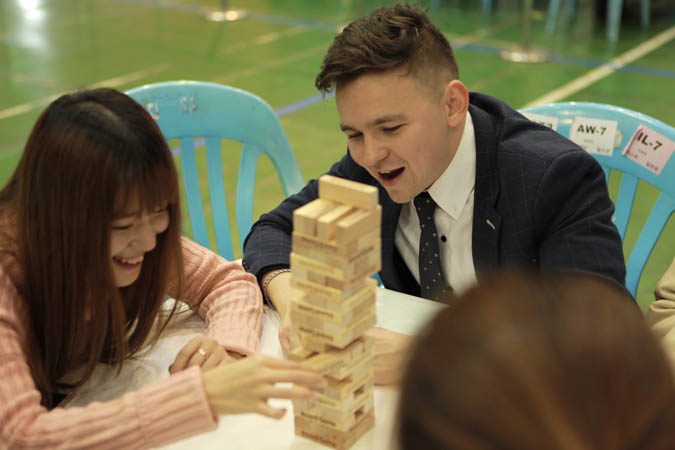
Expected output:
(244, 386)
(203, 352)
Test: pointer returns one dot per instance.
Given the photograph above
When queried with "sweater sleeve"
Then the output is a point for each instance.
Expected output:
(226, 297)
(162, 412)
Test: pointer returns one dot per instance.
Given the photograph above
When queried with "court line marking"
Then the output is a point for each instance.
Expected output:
(466, 43)
(605, 70)
(229, 78)
(201, 10)
(262, 39)
(585, 80)
(580, 83)
(110, 82)
(293, 107)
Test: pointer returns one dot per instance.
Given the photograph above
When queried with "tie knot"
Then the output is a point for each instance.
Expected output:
(424, 204)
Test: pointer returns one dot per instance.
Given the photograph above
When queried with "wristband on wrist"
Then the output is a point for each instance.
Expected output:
(269, 279)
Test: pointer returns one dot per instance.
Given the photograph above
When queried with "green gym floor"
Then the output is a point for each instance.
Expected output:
(49, 47)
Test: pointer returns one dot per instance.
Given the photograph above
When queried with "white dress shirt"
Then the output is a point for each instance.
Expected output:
(453, 193)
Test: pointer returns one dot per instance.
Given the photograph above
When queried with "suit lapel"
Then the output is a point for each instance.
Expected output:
(486, 219)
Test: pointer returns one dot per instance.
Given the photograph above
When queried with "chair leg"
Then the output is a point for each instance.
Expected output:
(486, 6)
(570, 10)
(552, 17)
(613, 19)
(645, 13)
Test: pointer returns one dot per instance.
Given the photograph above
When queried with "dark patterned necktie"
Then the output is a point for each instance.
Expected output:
(432, 283)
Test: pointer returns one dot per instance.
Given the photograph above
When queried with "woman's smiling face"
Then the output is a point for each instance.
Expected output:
(134, 233)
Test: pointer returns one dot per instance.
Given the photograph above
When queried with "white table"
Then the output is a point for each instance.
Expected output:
(395, 311)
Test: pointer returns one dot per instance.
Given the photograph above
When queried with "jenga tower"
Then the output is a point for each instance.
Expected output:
(336, 247)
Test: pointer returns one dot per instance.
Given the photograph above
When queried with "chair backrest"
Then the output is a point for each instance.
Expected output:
(186, 110)
(627, 123)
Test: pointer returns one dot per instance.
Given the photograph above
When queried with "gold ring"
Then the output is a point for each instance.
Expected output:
(201, 352)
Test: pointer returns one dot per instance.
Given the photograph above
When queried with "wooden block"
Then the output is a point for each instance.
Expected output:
(312, 265)
(327, 326)
(344, 269)
(340, 340)
(332, 334)
(323, 362)
(335, 302)
(340, 440)
(344, 314)
(314, 345)
(318, 254)
(337, 419)
(331, 295)
(308, 271)
(340, 418)
(325, 225)
(304, 217)
(301, 273)
(357, 224)
(340, 390)
(332, 248)
(351, 395)
(343, 372)
(333, 359)
(299, 354)
(350, 192)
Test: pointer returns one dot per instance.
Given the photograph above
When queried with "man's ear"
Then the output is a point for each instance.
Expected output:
(456, 100)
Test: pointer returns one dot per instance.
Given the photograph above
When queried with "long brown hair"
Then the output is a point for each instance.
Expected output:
(399, 37)
(87, 155)
(533, 362)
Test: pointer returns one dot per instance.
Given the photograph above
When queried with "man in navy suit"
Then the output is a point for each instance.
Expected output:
(508, 191)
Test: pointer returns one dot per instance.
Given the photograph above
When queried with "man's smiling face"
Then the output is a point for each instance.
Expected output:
(398, 130)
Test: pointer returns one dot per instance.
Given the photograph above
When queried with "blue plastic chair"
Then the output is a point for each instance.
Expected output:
(614, 9)
(632, 172)
(190, 109)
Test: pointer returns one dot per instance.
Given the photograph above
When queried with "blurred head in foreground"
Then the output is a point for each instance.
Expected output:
(534, 362)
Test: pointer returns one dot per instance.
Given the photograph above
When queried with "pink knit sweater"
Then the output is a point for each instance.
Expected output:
(229, 301)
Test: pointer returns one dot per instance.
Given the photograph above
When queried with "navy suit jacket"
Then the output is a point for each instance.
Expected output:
(540, 201)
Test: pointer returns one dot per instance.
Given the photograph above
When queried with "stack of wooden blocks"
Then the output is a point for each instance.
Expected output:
(336, 247)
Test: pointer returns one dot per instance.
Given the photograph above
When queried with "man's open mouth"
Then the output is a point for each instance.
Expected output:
(391, 174)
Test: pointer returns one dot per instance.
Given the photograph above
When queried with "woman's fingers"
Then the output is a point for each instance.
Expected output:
(275, 363)
(267, 410)
(207, 347)
(214, 360)
(305, 378)
(185, 354)
(245, 385)
(201, 351)
(292, 393)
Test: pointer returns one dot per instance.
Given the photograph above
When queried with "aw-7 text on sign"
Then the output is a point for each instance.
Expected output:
(594, 135)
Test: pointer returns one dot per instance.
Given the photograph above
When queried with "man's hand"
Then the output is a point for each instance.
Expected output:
(288, 338)
(391, 351)
(280, 292)
(201, 351)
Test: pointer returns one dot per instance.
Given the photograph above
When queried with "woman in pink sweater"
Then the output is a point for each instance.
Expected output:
(89, 245)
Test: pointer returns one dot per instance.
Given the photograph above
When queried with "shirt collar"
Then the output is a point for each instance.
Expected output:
(452, 189)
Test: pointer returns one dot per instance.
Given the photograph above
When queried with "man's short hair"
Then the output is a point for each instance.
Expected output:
(399, 37)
